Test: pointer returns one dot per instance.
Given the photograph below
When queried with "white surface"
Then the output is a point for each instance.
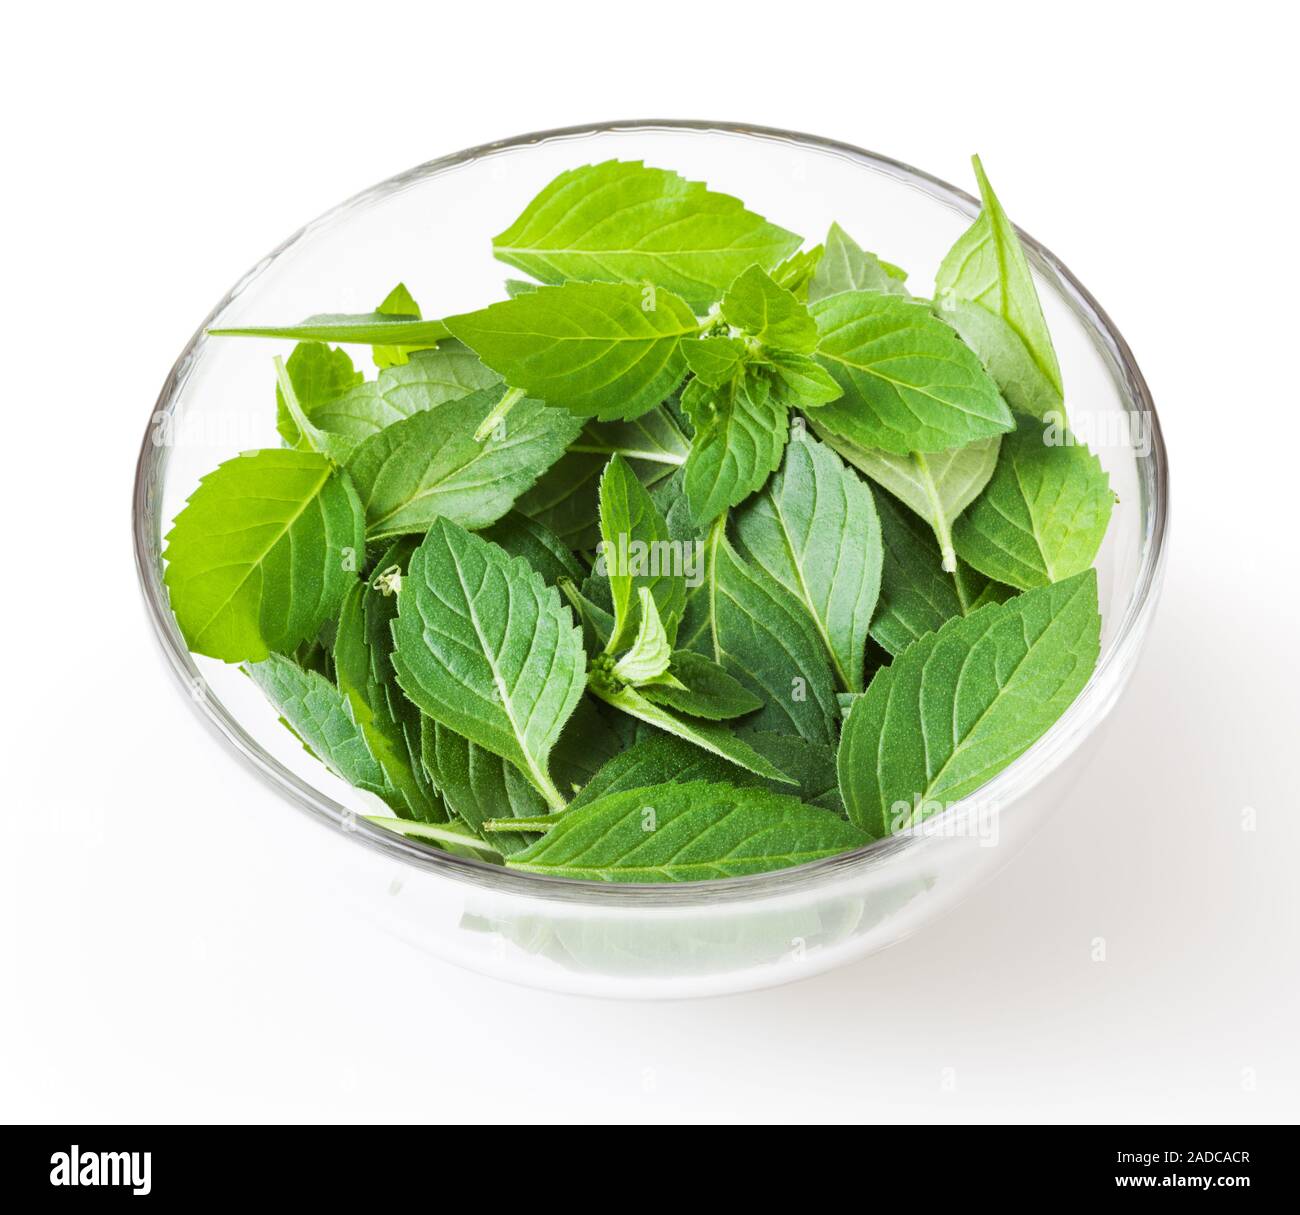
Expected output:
(164, 950)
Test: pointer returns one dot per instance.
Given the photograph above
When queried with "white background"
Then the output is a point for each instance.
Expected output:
(166, 952)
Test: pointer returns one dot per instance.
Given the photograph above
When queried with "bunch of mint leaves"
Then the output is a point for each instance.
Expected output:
(699, 555)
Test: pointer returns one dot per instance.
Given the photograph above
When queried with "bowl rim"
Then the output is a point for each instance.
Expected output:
(1079, 720)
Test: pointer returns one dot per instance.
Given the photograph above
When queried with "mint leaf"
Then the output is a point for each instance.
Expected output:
(768, 313)
(604, 350)
(814, 529)
(959, 705)
(937, 485)
(389, 723)
(1042, 516)
(988, 266)
(321, 717)
(263, 553)
(653, 437)
(431, 465)
(485, 647)
(658, 759)
(429, 378)
(909, 382)
(1005, 357)
(521, 536)
(686, 832)
(810, 764)
(801, 382)
(318, 373)
(476, 784)
(399, 302)
(846, 266)
(740, 430)
(700, 688)
(564, 499)
(648, 656)
(916, 595)
(795, 274)
(622, 221)
(634, 553)
(715, 738)
(596, 623)
(715, 360)
(765, 640)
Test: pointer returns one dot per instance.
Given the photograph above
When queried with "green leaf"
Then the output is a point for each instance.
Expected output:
(846, 266)
(389, 723)
(716, 360)
(988, 266)
(430, 464)
(916, 595)
(802, 383)
(909, 382)
(320, 715)
(430, 378)
(811, 764)
(1042, 516)
(1005, 357)
(593, 348)
(655, 760)
(399, 302)
(635, 552)
(648, 656)
(263, 553)
(622, 221)
(686, 832)
(740, 430)
(814, 529)
(959, 705)
(564, 499)
(477, 784)
(769, 313)
(937, 485)
(485, 647)
(521, 536)
(700, 688)
(361, 329)
(654, 437)
(764, 639)
(715, 738)
(596, 623)
(795, 274)
(318, 373)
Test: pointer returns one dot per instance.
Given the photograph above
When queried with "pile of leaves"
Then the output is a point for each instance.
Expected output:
(599, 581)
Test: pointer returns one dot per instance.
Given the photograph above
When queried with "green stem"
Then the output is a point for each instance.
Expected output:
(431, 831)
(498, 411)
(942, 528)
(630, 453)
(546, 787)
(309, 432)
(542, 823)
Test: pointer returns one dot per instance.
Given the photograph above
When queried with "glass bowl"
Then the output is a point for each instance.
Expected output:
(431, 227)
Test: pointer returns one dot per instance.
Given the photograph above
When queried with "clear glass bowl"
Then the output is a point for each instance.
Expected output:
(431, 227)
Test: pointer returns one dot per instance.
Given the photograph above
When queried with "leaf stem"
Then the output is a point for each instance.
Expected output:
(431, 831)
(942, 528)
(630, 453)
(309, 432)
(541, 823)
(497, 413)
(546, 787)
